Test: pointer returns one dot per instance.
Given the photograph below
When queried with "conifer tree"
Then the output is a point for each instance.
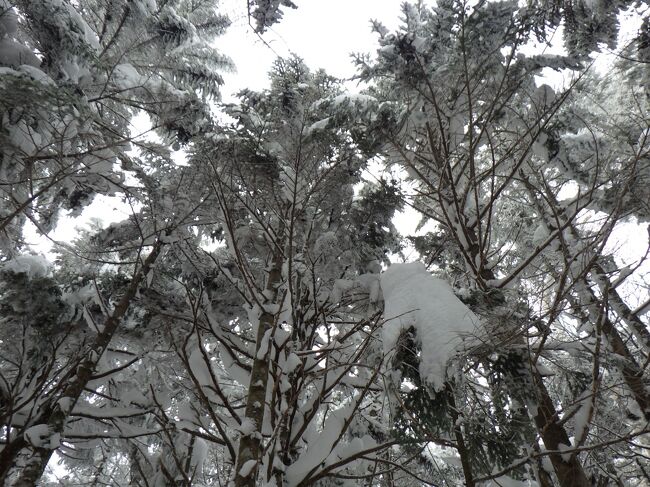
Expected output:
(297, 244)
(74, 74)
(472, 128)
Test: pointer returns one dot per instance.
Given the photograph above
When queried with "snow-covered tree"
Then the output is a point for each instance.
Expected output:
(245, 326)
(265, 13)
(73, 76)
(189, 364)
(284, 380)
(525, 190)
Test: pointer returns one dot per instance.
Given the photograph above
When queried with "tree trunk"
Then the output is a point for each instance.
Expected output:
(569, 473)
(461, 447)
(630, 370)
(250, 444)
(620, 306)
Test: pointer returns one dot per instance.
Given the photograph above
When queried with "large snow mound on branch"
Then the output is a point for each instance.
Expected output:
(32, 265)
(413, 297)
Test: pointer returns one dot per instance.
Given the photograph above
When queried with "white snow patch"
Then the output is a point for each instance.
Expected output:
(247, 427)
(420, 44)
(583, 415)
(199, 367)
(506, 481)
(353, 98)
(232, 368)
(39, 436)
(566, 451)
(320, 447)
(8, 19)
(292, 363)
(539, 147)
(540, 234)
(199, 453)
(135, 396)
(127, 77)
(413, 297)
(247, 468)
(340, 287)
(33, 265)
(106, 412)
(65, 403)
(320, 125)
(14, 54)
(35, 74)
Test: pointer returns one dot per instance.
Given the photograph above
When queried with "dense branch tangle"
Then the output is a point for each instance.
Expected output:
(294, 360)
(250, 350)
(480, 142)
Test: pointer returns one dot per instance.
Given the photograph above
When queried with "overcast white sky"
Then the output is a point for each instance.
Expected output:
(323, 33)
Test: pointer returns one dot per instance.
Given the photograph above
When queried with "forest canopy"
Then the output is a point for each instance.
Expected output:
(256, 318)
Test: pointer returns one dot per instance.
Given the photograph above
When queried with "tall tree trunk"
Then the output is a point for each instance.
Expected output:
(25, 463)
(450, 198)
(461, 447)
(637, 327)
(569, 472)
(249, 453)
(630, 370)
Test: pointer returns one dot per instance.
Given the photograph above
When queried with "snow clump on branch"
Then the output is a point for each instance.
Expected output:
(414, 298)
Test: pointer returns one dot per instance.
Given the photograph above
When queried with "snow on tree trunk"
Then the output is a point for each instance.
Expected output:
(249, 454)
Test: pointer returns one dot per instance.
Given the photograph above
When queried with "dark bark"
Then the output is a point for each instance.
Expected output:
(620, 306)
(630, 370)
(570, 472)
